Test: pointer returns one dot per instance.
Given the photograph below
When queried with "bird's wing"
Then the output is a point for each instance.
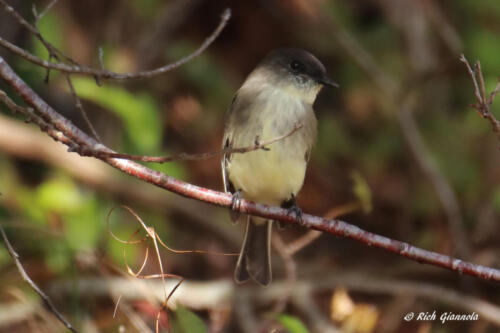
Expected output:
(227, 143)
(224, 162)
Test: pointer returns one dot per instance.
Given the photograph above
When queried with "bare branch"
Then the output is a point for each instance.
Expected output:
(483, 105)
(53, 51)
(32, 117)
(86, 151)
(38, 17)
(332, 226)
(79, 106)
(46, 300)
(75, 68)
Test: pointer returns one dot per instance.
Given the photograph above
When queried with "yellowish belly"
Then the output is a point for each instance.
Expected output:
(268, 177)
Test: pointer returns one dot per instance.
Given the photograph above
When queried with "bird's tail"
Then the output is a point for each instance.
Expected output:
(255, 256)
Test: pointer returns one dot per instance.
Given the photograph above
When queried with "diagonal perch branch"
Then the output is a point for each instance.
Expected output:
(334, 227)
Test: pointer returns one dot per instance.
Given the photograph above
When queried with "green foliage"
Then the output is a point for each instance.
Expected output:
(138, 111)
(59, 195)
(51, 29)
(140, 116)
(83, 223)
(187, 322)
(58, 256)
(174, 169)
(85, 229)
(292, 324)
(121, 253)
(362, 191)
(485, 46)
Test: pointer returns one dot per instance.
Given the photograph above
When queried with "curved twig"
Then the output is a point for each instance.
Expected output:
(75, 68)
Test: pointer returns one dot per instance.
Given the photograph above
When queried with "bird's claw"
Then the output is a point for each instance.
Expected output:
(293, 208)
(235, 206)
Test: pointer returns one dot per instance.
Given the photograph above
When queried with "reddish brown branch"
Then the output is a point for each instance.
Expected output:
(75, 68)
(334, 227)
(483, 105)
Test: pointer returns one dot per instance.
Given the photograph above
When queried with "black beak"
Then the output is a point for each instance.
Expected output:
(327, 81)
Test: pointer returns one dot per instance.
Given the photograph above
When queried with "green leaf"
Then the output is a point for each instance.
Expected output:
(484, 46)
(189, 322)
(59, 195)
(51, 29)
(84, 228)
(292, 324)
(362, 191)
(138, 111)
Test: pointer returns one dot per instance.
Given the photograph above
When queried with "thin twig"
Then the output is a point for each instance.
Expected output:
(332, 226)
(53, 51)
(76, 68)
(45, 11)
(86, 151)
(483, 105)
(32, 117)
(79, 106)
(25, 276)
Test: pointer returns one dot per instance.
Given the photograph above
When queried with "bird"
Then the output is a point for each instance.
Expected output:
(276, 97)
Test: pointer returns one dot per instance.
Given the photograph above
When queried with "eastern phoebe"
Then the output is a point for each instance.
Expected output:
(277, 96)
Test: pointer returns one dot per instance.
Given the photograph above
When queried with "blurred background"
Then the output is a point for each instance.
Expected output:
(400, 152)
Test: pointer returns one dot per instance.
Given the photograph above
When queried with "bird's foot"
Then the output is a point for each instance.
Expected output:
(234, 213)
(293, 208)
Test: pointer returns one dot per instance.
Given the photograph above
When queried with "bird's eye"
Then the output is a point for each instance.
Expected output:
(296, 66)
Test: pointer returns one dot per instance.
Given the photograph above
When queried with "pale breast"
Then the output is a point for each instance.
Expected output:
(274, 175)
